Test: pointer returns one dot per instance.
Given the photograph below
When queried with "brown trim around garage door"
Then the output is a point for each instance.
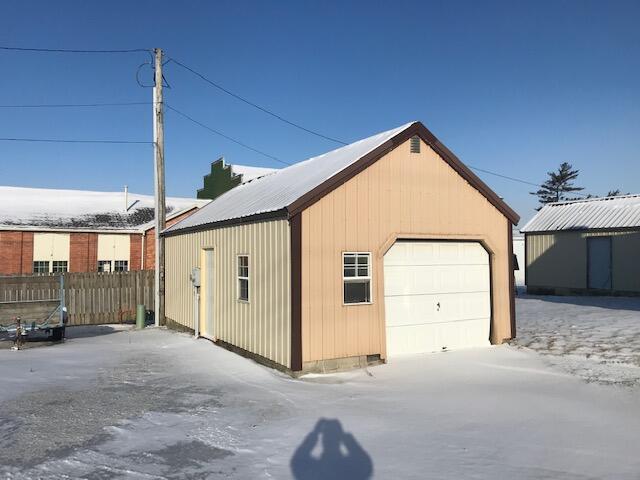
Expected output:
(295, 224)
(512, 282)
(416, 128)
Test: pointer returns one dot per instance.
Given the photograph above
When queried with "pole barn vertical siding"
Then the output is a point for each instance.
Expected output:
(558, 260)
(261, 326)
(403, 195)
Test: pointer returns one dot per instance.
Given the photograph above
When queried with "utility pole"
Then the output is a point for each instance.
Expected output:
(160, 207)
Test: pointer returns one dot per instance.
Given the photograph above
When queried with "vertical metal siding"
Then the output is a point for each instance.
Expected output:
(404, 195)
(261, 326)
(559, 259)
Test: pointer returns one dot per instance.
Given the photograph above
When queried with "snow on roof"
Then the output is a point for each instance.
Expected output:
(52, 209)
(249, 172)
(279, 189)
(593, 213)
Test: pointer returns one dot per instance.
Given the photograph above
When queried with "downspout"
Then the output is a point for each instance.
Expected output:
(195, 282)
(143, 251)
(22, 254)
(196, 313)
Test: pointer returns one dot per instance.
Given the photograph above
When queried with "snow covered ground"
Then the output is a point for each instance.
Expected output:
(157, 404)
(596, 338)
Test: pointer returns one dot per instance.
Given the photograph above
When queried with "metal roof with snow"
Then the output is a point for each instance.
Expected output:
(284, 190)
(250, 172)
(46, 209)
(593, 213)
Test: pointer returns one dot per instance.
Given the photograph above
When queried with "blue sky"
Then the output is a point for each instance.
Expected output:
(513, 87)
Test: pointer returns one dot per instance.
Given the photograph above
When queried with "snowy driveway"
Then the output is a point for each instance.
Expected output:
(157, 404)
(595, 338)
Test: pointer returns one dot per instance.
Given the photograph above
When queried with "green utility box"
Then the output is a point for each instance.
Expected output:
(140, 316)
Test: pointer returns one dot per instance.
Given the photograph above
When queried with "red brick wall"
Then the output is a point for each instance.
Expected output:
(16, 250)
(150, 250)
(16, 253)
(93, 252)
(27, 252)
(135, 251)
(150, 241)
(83, 252)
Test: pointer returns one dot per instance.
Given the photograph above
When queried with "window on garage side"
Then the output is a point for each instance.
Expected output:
(356, 277)
(243, 278)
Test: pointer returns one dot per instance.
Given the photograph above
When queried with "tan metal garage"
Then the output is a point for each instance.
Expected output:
(587, 246)
(386, 246)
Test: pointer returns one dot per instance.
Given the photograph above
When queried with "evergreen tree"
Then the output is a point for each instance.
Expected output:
(559, 184)
(616, 193)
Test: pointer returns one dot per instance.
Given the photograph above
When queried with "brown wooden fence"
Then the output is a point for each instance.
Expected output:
(90, 298)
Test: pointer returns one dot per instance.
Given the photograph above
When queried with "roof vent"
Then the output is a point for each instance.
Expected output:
(415, 144)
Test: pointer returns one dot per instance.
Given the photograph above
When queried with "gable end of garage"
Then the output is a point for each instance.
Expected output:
(430, 139)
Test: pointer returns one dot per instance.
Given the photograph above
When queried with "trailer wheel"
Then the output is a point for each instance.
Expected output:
(56, 334)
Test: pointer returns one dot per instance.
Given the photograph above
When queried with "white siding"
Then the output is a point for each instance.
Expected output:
(114, 247)
(518, 251)
(262, 325)
(50, 246)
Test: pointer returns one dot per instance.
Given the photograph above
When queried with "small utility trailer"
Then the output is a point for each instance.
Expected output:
(52, 326)
(44, 316)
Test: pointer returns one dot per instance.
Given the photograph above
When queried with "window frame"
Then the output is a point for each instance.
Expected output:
(42, 262)
(53, 266)
(240, 278)
(358, 278)
(104, 262)
(114, 267)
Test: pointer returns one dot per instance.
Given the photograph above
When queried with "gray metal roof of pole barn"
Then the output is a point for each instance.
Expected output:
(593, 213)
(277, 190)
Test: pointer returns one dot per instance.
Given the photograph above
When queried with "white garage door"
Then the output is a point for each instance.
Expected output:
(437, 296)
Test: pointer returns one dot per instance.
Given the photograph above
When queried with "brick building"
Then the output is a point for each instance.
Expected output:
(48, 230)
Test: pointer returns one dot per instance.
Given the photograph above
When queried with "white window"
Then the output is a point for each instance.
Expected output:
(60, 266)
(40, 266)
(104, 266)
(243, 278)
(356, 277)
(121, 265)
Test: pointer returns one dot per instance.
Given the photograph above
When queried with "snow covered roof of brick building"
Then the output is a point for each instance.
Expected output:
(592, 213)
(54, 209)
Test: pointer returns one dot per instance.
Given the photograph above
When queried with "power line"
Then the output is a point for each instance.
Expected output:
(504, 176)
(74, 105)
(204, 78)
(286, 163)
(58, 140)
(206, 127)
(513, 178)
(248, 102)
(62, 50)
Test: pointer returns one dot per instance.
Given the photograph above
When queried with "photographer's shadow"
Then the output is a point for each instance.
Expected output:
(341, 457)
